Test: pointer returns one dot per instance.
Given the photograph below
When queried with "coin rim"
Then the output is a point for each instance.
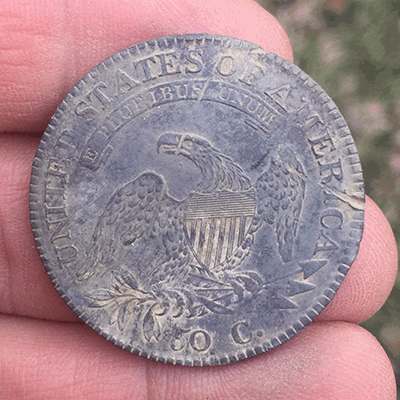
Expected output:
(37, 173)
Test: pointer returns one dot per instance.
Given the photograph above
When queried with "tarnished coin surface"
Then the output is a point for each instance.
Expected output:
(196, 200)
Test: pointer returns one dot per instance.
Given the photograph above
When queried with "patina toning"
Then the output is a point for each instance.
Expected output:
(196, 200)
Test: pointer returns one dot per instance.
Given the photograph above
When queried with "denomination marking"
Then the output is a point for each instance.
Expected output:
(240, 334)
(200, 340)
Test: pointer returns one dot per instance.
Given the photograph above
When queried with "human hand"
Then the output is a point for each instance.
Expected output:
(45, 352)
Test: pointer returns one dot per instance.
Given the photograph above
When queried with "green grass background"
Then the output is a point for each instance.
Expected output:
(352, 49)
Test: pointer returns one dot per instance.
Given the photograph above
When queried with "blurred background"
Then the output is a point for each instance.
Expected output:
(352, 49)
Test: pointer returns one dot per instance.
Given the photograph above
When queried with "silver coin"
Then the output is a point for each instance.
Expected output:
(196, 200)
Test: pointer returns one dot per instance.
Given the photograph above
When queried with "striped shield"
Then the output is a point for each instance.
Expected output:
(217, 223)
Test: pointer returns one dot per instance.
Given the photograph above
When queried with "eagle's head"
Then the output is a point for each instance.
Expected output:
(218, 170)
(188, 145)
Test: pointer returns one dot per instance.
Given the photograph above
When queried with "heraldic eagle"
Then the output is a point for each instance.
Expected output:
(201, 241)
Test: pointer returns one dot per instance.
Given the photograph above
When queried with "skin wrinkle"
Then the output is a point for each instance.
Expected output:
(218, 378)
(44, 354)
(28, 290)
(71, 37)
(223, 380)
(9, 186)
(360, 294)
(302, 368)
(8, 282)
(5, 280)
(149, 387)
(69, 58)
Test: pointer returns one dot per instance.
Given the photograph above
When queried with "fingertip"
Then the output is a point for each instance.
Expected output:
(372, 275)
(61, 43)
(247, 20)
(25, 288)
(242, 19)
(330, 360)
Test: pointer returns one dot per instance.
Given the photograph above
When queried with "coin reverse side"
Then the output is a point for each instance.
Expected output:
(196, 200)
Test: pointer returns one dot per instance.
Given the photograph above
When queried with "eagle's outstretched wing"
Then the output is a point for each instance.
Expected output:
(141, 227)
(279, 199)
(279, 195)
